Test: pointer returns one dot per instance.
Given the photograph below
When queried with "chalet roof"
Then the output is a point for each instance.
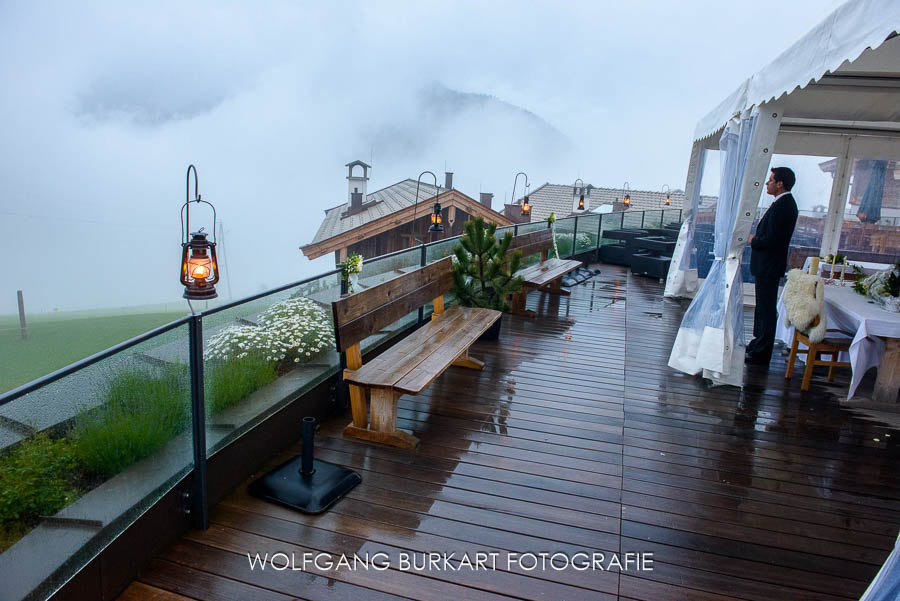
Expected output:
(555, 198)
(381, 203)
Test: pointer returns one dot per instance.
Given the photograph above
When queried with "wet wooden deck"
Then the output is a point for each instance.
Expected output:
(576, 437)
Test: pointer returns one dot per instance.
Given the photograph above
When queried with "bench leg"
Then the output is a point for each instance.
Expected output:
(358, 406)
(465, 360)
(518, 304)
(555, 287)
(383, 426)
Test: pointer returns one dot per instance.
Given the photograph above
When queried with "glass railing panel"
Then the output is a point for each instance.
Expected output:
(632, 219)
(382, 269)
(653, 219)
(90, 452)
(439, 250)
(586, 236)
(565, 231)
(671, 216)
(257, 359)
(525, 228)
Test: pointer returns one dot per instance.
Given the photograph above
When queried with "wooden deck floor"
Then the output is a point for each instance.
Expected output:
(576, 437)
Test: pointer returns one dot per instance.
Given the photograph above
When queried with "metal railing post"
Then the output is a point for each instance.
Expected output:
(200, 504)
(599, 233)
(574, 237)
(643, 215)
(422, 264)
(516, 229)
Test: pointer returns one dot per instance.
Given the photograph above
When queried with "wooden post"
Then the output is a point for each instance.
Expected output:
(22, 314)
(888, 380)
(357, 394)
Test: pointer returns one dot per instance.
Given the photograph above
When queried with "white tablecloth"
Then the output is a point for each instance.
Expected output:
(851, 312)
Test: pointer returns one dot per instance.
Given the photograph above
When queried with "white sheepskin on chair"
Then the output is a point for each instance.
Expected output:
(804, 300)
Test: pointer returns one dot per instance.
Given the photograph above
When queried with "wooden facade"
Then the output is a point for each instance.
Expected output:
(404, 236)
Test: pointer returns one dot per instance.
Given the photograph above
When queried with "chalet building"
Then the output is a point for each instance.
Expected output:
(563, 201)
(390, 219)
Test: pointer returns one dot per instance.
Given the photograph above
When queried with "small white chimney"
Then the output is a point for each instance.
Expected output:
(356, 185)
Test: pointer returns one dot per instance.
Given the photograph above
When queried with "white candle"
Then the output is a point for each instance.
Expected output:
(843, 270)
(833, 261)
(814, 266)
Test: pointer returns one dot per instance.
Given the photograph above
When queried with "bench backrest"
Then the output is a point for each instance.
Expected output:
(360, 315)
(539, 241)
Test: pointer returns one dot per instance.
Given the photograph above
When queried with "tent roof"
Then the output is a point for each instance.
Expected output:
(854, 50)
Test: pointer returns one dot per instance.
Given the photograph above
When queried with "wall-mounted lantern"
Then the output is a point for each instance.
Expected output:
(199, 266)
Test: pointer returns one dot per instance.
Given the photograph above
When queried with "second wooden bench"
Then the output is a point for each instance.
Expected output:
(545, 276)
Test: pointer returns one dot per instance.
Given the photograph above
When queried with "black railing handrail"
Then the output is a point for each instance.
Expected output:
(122, 346)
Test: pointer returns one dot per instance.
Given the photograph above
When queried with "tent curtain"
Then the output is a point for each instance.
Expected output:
(682, 277)
(886, 585)
(711, 337)
(689, 255)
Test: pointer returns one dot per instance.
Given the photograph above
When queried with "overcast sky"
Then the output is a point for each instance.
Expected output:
(105, 104)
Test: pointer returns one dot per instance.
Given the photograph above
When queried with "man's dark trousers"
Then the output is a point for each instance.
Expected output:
(764, 319)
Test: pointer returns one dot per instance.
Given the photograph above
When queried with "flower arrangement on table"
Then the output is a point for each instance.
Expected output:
(352, 269)
(882, 287)
(551, 219)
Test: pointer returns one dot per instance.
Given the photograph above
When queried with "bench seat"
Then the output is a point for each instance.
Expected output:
(543, 273)
(412, 364)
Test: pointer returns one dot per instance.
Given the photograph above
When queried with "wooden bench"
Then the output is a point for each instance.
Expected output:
(545, 276)
(412, 364)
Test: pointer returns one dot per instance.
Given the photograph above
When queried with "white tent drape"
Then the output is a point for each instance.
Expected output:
(710, 340)
(682, 279)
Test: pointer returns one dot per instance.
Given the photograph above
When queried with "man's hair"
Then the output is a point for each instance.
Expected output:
(784, 175)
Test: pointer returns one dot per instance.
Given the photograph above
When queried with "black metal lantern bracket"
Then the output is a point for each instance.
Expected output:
(196, 241)
(435, 226)
(526, 208)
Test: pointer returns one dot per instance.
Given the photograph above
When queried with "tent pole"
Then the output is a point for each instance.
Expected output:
(834, 220)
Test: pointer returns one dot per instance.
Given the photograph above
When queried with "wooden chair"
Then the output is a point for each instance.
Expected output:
(831, 345)
(545, 276)
(413, 363)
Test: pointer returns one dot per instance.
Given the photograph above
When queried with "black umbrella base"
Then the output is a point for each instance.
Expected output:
(309, 494)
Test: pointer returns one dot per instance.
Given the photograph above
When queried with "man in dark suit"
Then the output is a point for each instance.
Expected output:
(768, 261)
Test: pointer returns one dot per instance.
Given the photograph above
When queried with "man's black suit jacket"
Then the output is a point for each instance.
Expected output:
(768, 258)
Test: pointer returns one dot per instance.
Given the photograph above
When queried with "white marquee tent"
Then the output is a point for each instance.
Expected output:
(835, 92)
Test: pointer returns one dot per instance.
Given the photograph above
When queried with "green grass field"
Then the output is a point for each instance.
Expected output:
(57, 340)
